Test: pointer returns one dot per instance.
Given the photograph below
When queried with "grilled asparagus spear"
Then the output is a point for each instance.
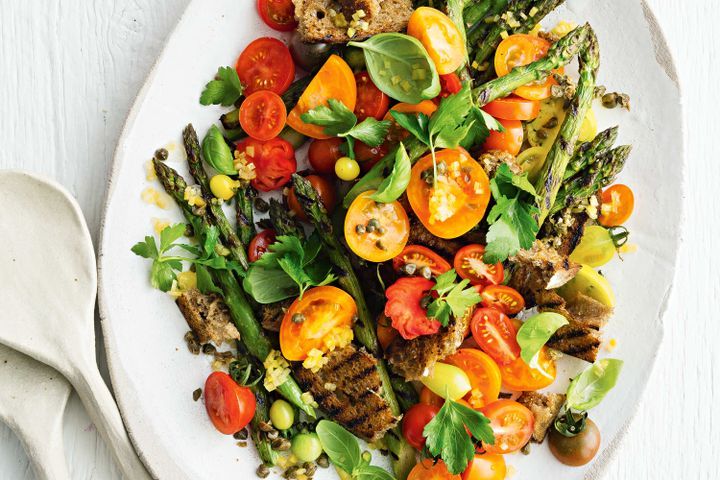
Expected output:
(588, 152)
(244, 213)
(284, 224)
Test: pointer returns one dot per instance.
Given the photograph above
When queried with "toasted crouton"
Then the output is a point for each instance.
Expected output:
(318, 24)
(208, 317)
(544, 407)
(348, 389)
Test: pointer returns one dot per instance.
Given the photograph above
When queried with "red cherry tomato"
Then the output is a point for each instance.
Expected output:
(260, 243)
(369, 156)
(513, 108)
(450, 84)
(325, 190)
(495, 334)
(323, 154)
(274, 162)
(502, 298)
(510, 140)
(371, 102)
(420, 257)
(512, 424)
(404, 310)
(266, 64)
(414, 422)
(229, 406)
(278, 14)
(469, 264)
(263, 115)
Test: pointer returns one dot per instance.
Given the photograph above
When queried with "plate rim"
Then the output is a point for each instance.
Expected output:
(664, 58)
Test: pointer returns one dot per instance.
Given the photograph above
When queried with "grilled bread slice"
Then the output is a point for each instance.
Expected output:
(544, 407)
(317, 23)
(412, 358)
(348, 389)
(208, 317)
(538, 269)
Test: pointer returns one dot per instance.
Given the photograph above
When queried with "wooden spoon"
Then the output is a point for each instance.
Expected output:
(32, 403)
(48, 297)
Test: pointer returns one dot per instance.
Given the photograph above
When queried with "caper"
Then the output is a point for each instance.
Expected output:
(241, 435)
(196, 394)
(310, 468)
(360, 229)
(552, 123)
(323, 461)
(370, 229)
(381, 230)
(380, 245)
(208, 348)
(280, 444)
(272, 435)
(260, 205)
(426, 272)
(265, 427)
(610, 100)
(542, 134)
(410, 268)
(426, 301)
(373, 223)
(298, 318)
(161, 154)
(262, 471)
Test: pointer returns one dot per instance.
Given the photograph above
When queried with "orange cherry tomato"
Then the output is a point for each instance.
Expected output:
(483, 373)
(420, 257)
(425, 470)
(509, 141)
(325, 190)
(520, 377)
(310, 319)
(518, 50)
(266, 64)
(414, 422)
(503, 298)
(457, 200)
(396, 132)
(381, 239)
(440, 37)
(323, 154)
(385, 332)
(512, 424)
(618, 202)
(263, 115)
(486, 466)
(428, 397)
(469, 264)
(371, 102)
(513, 108)
(495, 334)
(335, 80)
(229, 406)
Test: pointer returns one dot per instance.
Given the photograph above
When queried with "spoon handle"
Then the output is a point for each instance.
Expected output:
(104, 413)
(44, 449)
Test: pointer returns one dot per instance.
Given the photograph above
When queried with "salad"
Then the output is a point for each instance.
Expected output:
(393, 234)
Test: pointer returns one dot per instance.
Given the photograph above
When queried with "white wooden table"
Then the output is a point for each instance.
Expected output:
(70, 69)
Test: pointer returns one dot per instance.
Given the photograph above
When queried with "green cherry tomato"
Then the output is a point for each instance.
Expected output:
(596, 248)
(447, 381)
(282, 414)
(347, 169)
(590, 283)
(307, 447)
(223, 187)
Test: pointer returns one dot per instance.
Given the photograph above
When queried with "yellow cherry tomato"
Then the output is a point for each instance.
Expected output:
(440, 37)
(223, 187)
(376, 231)
(589, 127)
(596, 248)
(347, 169)
(590, 283)
(532, 161)
(447, 381)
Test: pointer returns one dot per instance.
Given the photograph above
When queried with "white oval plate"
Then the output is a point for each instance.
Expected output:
(153, 373)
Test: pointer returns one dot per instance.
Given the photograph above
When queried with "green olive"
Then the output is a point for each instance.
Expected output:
(307, 447)
(282, 415)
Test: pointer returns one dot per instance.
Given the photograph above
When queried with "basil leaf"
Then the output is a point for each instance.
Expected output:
(269, 285)
(536, 331)
(217, 153)
(400, 67)
(393, 186)
(205, 282)
(590, 387)
(371, 472)
(340, 445)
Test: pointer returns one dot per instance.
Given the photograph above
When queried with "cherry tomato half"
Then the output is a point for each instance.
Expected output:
(274, 162)
(278, 14)
(509, 141)
(456, 201)
(503, 298)
(513, 108)
(486, 466)
(450, 84)
(310, 319)
(414, 422)
(420, 257)
(440, 37)
(483, 373)
(263, 115)
(229, 406)
(428, 397)
(260, 243)
(375, 231)
(495, 334)
(618, 202)
(325, 190)
(266, 64)
(512, 424)
(403, 307)
(426, 470)
(385, 332)
(518, 376)
(469, 264)
(371, 102)
(518, 50)
(323, 154)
